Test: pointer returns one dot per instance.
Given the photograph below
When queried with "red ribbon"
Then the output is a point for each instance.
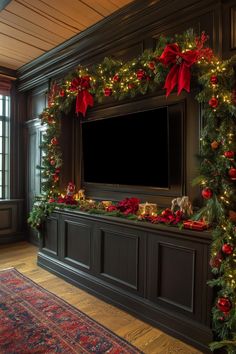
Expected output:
(52, 94)
(179, 74)
(84, 97)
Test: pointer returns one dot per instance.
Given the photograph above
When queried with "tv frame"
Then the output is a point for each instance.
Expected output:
(162, 196)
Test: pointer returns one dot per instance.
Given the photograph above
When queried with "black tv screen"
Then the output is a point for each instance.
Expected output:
(128, 150)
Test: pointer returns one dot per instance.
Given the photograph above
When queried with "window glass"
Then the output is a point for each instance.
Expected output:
(6, 162)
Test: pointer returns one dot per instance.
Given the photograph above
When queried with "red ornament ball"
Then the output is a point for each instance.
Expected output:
(229, 154)
(214, 79)
(232, 173)
(107, 91)
(224, 304)
(62, 93)
(151, 65)
(207, 193)
(57, 170)
(227, 248)
(131, 86)
(221, 318)
(52, 162)
(54, 141)
(55, 178)
(116, 78)
(179, 213)
(215, 262)
(141, 74)
(166, 213)
(50, 120)
(213, 102)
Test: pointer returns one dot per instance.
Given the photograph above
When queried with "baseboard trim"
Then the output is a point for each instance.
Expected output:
(11, 238)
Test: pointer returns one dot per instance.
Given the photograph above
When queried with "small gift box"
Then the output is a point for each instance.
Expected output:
(106, 203)
(196, 225)
(147, 209)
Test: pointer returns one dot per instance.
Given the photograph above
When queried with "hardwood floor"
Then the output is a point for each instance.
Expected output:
(150, 340)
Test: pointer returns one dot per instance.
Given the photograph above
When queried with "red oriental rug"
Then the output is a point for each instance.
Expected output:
(33, 320)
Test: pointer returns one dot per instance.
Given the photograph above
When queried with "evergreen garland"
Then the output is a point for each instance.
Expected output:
(217, 174)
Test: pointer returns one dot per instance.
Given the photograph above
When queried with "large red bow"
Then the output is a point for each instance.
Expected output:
(179, 74)
(84, 97)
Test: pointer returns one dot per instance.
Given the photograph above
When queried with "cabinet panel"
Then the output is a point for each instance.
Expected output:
(117, 251)
(76, 242)
(176, 263)
(50, 240)
(121, 257)
(176, 278)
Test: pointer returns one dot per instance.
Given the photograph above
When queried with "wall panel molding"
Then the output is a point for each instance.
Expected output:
(11, 220)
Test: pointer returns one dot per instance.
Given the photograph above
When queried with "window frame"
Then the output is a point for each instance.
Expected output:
(5, 104)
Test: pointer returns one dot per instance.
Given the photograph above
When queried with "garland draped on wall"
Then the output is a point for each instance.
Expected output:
(171, 64)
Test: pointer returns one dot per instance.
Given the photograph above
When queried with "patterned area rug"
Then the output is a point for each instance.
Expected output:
(33, 320)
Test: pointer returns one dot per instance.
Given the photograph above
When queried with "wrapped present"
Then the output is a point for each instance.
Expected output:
(196, 225)
(147, 209)
(106, 203)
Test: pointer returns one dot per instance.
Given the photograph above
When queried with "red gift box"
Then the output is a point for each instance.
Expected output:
(195, 225)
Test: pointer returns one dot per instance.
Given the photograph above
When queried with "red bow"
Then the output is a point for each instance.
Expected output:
(179, 74)
(83, 98)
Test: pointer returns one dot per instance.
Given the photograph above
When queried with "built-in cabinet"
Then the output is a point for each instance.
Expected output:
(156, 272)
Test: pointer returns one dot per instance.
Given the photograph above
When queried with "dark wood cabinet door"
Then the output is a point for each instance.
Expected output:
(120, 256)
(177, 275)
(50, 240)
(76, 246)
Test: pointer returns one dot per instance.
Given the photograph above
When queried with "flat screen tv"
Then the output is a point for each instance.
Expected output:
(142, 148)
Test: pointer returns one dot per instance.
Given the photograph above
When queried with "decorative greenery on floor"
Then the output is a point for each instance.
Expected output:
(172, 63)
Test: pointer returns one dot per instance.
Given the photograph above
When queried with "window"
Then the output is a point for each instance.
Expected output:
(4, 147)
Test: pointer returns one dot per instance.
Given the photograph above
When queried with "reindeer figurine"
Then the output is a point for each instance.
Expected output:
(184, 205)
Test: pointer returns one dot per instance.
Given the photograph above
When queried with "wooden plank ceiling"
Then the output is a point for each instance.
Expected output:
(29, 28)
